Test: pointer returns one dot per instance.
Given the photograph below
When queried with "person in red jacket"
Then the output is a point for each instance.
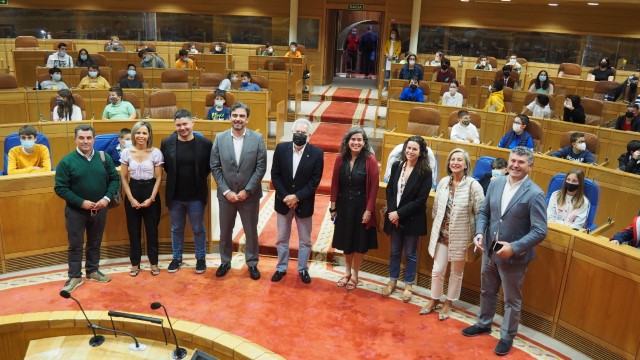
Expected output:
(351, 45)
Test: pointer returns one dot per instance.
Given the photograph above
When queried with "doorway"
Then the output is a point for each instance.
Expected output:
(359, 68)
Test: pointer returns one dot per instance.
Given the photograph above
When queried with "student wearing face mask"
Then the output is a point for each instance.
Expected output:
(118, 109)
(56, 82)
(630, 121)
(518, 136)
(392, 48)
(114, 45)
(569, 206)
(28, 157)
(573, 111)
(193, 49)
(483, 64)
(413, 92)
(513, 62)
(93, 80)
(630, 161)
(124, 142)
(577, 151)
(350, 47)
(498, 168)
(506, 78)
(218, 111)
(411, 69)
(539, 107)
(218, 49)
(445, 74)
(464, 130)
(246, 84)
(452, 97)
(150, 60)
(131, 81)
(542, 84)
(268, 50)
(293, 51)
(66, 110)
(84, 59)
(437, 60)
(60, 58)
(495, 102)
(232, 78)
(603, 72)
(184, 62)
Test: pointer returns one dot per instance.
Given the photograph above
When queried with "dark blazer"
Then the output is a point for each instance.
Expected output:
(306, 181)
(412, 209)
(523, 224)
(511, 81)
(203, 151)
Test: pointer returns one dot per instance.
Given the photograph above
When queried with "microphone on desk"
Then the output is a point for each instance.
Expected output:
(96, 340)
(178, 353)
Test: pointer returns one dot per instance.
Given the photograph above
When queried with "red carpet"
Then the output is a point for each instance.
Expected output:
(297, 321)
(339, 112)
(327, 173)
(329, 136)
(347, 95)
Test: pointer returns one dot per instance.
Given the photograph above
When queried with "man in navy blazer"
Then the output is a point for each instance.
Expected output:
(238, 164)
(511, 221)
(295, 173)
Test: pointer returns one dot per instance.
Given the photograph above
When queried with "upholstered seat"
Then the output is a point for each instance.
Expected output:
(423, 121)
(174, 79)
(162, 105)
(210, 81)
(476, 120)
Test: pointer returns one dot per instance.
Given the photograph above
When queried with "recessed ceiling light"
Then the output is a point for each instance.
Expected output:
(593, 4)
(464, 0)
(553, 4)
(505, 0)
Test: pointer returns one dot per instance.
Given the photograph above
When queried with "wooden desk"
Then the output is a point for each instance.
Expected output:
(153, 77)
(26, 61)
(295, 66)
(212, 63)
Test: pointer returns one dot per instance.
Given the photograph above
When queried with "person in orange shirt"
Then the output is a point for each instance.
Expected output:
(293, 51)
(28, 157)
(184, 62)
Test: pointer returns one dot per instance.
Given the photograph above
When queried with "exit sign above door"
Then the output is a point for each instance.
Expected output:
(349, 7)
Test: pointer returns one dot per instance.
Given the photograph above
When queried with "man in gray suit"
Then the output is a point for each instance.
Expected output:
(511, 221)
(238, 164)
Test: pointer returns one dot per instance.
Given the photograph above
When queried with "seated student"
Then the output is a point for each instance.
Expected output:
(93, 80)
(569, 206)
(519, 136)
(218, 49)
(542, 85)
(150, 60)
(268, 50)
(629, 235)
(232, 77)
(498, 168)
(60, 58)
(405, 56)
(84, 59)
(483, 64)
(411, 69)
(630, 161)
(603, 72)
(56, 82)
(413, 92)
(246, 84)
(218, 111)
(464, 130)
(184, 62)
(452, 97)
(577, 151)
(395, 155)
(130, 81)
(118, 109)
(630, 121)
(28, 157)
(513, 62)
(539, 107)
(114, 45)
(143, 46)
(506, 78)
(437, 59)
(445, 74)
(192, 49)
(495, 102)
(66, 110)
(293, 51)
(124, 141)
(573, 111)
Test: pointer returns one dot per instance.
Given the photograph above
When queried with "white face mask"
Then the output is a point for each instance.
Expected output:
(581, 146)
(412, 62)
(218, 48)
(512, 61)
(219, 103)
(93, 74)
(393, 36)
(517, 127)
(453, 91)
(293, 49)
(127, 144)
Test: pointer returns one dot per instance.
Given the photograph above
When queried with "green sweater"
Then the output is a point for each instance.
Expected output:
(78, 179)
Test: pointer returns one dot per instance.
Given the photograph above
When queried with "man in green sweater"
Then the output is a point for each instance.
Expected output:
(87, 185)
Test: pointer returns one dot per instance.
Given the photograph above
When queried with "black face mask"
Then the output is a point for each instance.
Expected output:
(444, 67)
(571, 187)
(506, 73)
(628, 114)
(413, 86)
(603, 64)
(299, 139)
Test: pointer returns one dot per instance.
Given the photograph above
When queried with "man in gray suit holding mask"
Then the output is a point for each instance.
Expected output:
(511, 221)
(238, 164)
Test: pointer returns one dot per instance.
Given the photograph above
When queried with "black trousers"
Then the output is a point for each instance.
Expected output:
(141, 191)
(352, 61)
(79, 221)
(366, 64)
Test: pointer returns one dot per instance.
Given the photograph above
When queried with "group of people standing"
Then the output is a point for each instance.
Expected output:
(366, 45)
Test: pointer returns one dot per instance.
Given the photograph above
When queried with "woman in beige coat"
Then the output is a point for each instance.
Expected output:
(458, 199)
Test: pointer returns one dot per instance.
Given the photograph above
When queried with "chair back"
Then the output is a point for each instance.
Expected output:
(535, 130)
(123, 74)
(508, 98)
(275, 64)
(26, 43)
(591, 191)
(134, 100)
(100, 59)
(12, 140)
(210, 80)
(77, 100)
(174, 79)
(593, 110)
(43, 77)
(229, 100)
(71, 46)
(423, 121)
(301, 48)
(105, 142)
(8, 82)
(162, 105)
(476, 119)
(569, 70)
(592, 141)
(602, 88)
(260, 81)
(199, 46)
(483, 166)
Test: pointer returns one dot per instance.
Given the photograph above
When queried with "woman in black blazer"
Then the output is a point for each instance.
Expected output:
(406, 218)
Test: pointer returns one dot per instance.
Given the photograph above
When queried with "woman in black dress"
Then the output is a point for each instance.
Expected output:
(354, 188)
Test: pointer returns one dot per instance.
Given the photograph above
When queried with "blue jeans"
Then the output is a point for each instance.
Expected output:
(410, 243)
(387, 75)
(178, 211)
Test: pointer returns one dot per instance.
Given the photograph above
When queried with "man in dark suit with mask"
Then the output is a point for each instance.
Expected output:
(295, 173)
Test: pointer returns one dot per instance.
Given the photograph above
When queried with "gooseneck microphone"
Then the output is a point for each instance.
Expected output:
(96, 340)
(178, 353)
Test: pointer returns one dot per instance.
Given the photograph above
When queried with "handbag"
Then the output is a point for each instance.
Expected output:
(117, 197)
(471, 255)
